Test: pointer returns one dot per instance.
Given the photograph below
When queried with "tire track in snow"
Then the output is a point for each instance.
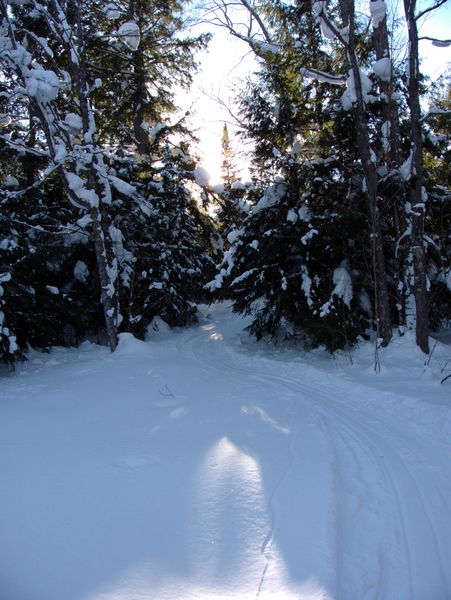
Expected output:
(364, 441)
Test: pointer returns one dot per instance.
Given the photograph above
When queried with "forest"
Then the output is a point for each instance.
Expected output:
(234, 389)
(108, 219)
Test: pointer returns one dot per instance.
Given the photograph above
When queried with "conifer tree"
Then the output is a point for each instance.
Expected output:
(231, 209)
(228, 169)
(92, 77)
(328, 44)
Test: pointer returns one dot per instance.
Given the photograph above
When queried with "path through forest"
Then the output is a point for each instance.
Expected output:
(202, 465)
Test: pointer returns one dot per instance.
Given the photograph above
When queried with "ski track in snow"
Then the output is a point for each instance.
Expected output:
(337, 494)
(376, 448)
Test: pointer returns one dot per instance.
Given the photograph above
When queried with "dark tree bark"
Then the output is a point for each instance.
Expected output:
(417, 194)
(382, 305)
(392, 158)
(97, 183)
(97, 194)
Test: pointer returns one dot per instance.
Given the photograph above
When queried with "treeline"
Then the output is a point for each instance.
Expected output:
(347, 234)
(342, 232)
(101, 228)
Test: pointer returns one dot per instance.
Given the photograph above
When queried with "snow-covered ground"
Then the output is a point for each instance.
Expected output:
(202, 465)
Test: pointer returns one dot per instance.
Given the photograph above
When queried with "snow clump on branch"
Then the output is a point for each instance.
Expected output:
(382, 69)
(111, 11)
(42, 85)
(130, 34)
(201, 176)
(378, 10)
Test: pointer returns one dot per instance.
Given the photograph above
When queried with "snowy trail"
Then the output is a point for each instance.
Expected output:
(201, 465)
(413, 513)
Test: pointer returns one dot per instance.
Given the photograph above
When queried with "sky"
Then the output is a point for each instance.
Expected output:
(225, 65)
(222, 70)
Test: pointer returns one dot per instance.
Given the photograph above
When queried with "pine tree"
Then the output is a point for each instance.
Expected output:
(298, 263)
(77, 131)
(228, 169)
(231, 207)
(167, 238)
(359, 130)
(437, 158)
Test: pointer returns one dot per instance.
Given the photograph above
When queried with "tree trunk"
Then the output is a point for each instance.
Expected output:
(417, 193)
(140, 93)
(97, 183)
(103, 250)
(392, 158)
(382, 305)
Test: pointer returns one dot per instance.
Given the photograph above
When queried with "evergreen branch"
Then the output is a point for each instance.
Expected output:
(54, 167)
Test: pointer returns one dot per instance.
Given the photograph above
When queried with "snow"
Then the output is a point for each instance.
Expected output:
(77, 185)
(42, 84)
(441, 43)
(10, 182)
(378, 11)
(448, 280)
(308, 236)
(130, 34)
(5, 277)
(81, 271)
(201, 176)
(350, 95)
(122, 186)
(343, 285)
(405, 170)
(158, 327)
(326, 30)
(60, 153)
(234, 235)
(155, 130)
(74, 122)
(53, 290)
(201, 464)
(382, 69)
(322, 77)
(304, 213)
(385, 130)
(292, 216)
(306, 285)
(269, 48)
(238, 185)
(273, 195)
(111, 11)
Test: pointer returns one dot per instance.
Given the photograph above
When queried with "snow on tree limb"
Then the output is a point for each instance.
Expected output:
(378, 11)
(130, 34)
(322, 77)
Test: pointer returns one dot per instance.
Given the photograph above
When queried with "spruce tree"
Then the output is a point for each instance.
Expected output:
(83, 119)
(228, 168)
(231, 207)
